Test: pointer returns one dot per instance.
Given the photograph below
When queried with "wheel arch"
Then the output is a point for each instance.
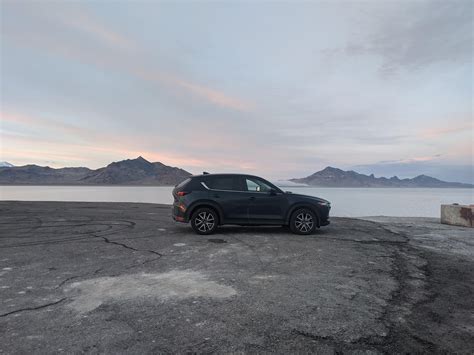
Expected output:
(208, 204)
(299, 205)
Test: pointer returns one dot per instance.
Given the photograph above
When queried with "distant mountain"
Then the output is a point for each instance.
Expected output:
(5, 164)
(333, 177)
(40, 175)
(437, 169)
(137, 171)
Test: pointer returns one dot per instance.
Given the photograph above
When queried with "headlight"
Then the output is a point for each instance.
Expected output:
(328, 204)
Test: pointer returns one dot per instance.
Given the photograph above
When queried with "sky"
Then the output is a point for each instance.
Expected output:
(279, 89)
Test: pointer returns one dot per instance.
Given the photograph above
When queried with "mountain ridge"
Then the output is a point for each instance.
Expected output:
(137, 171)
(334, 177)
(141, 172)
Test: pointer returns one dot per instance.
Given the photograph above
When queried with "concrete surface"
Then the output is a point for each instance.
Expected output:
(458, 215)
(124, 278)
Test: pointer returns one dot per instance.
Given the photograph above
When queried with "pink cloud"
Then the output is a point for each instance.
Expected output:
(214, 96)
(86, 23)
(120, 54)
(45, 123)
(436, 132)
(113, 146)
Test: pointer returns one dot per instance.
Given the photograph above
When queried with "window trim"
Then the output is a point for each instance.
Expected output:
(210, 189)
(278, 190)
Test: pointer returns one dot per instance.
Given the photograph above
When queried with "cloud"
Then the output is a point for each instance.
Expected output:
(437, 132)
(48, 124)
(412, 35)
(58, 140)
(424, 33)
(215, 96)
(210, 95)
(85, 22)
(119, 54)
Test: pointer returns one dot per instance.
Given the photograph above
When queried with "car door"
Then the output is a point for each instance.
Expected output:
(266, 205)
(226, 191)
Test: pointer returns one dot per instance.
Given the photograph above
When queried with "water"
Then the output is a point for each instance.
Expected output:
(346, 202)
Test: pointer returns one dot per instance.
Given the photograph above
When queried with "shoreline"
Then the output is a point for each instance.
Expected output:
(282, 187)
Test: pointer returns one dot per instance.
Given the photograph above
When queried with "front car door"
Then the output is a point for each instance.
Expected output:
(267, 203)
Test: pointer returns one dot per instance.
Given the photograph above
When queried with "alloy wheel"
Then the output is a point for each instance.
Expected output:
(204, 221)
(304, 222)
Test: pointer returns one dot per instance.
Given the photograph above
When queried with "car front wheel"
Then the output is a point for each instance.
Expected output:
(204, 221)
(303, 221)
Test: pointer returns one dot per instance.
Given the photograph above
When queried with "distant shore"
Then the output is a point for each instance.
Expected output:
(280, 186)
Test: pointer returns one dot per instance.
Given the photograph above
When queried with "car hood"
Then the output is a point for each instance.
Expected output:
(312, 198)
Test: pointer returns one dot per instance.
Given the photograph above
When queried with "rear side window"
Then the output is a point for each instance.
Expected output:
(230, 183)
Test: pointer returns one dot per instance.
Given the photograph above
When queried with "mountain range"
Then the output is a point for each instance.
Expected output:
(333, 177)
(137, 171)
(141, 172)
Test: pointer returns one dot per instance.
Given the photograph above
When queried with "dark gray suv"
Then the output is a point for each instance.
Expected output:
(210, 200)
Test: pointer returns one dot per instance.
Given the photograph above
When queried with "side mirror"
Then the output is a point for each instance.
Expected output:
(273, 192)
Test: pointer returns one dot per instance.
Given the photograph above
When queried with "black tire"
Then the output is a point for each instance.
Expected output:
(204, 221)
(303, 221)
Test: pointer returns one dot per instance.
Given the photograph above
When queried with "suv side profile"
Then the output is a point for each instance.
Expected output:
(210, 200)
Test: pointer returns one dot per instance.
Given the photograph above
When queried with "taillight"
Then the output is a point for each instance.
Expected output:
(182, 193)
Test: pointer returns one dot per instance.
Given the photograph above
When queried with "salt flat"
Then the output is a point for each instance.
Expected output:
(125, 278)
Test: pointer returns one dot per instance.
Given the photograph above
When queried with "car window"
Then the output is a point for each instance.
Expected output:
(256, 185)
(230, 183)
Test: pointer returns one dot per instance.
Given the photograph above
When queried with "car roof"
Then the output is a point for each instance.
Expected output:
(224, 174)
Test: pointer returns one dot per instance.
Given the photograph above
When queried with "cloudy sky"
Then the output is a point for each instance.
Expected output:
(281, 89)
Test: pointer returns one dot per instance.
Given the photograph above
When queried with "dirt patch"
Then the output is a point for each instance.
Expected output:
(89, 294)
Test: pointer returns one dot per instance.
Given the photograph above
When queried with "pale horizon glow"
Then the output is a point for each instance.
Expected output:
(270, 88)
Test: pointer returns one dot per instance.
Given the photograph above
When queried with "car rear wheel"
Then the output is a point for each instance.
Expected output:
(204, 221)
(303, 221)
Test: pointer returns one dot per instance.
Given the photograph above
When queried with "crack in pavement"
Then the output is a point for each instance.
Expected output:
(123, 245)
(77, 276)
(33, 308)
(338, 346)
(378, 241)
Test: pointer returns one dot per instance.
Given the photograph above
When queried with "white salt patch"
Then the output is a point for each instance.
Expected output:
(174, 285)
(7, 268)
(179, 245)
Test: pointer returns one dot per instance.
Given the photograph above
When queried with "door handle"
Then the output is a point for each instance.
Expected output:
(252, 198)
(216, 196)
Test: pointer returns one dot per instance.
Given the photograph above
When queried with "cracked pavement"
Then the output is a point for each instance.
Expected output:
(124, 278)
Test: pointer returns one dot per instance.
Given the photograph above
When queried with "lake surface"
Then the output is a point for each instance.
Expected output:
(346, 202)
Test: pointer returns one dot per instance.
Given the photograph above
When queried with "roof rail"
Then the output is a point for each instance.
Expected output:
(205, 173)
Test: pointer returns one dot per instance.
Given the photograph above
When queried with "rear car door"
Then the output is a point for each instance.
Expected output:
(226, 191)
(265, 206)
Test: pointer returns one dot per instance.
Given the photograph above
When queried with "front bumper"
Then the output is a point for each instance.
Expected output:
(325, 223)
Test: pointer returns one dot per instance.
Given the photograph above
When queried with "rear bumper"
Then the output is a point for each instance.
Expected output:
(178, 215)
